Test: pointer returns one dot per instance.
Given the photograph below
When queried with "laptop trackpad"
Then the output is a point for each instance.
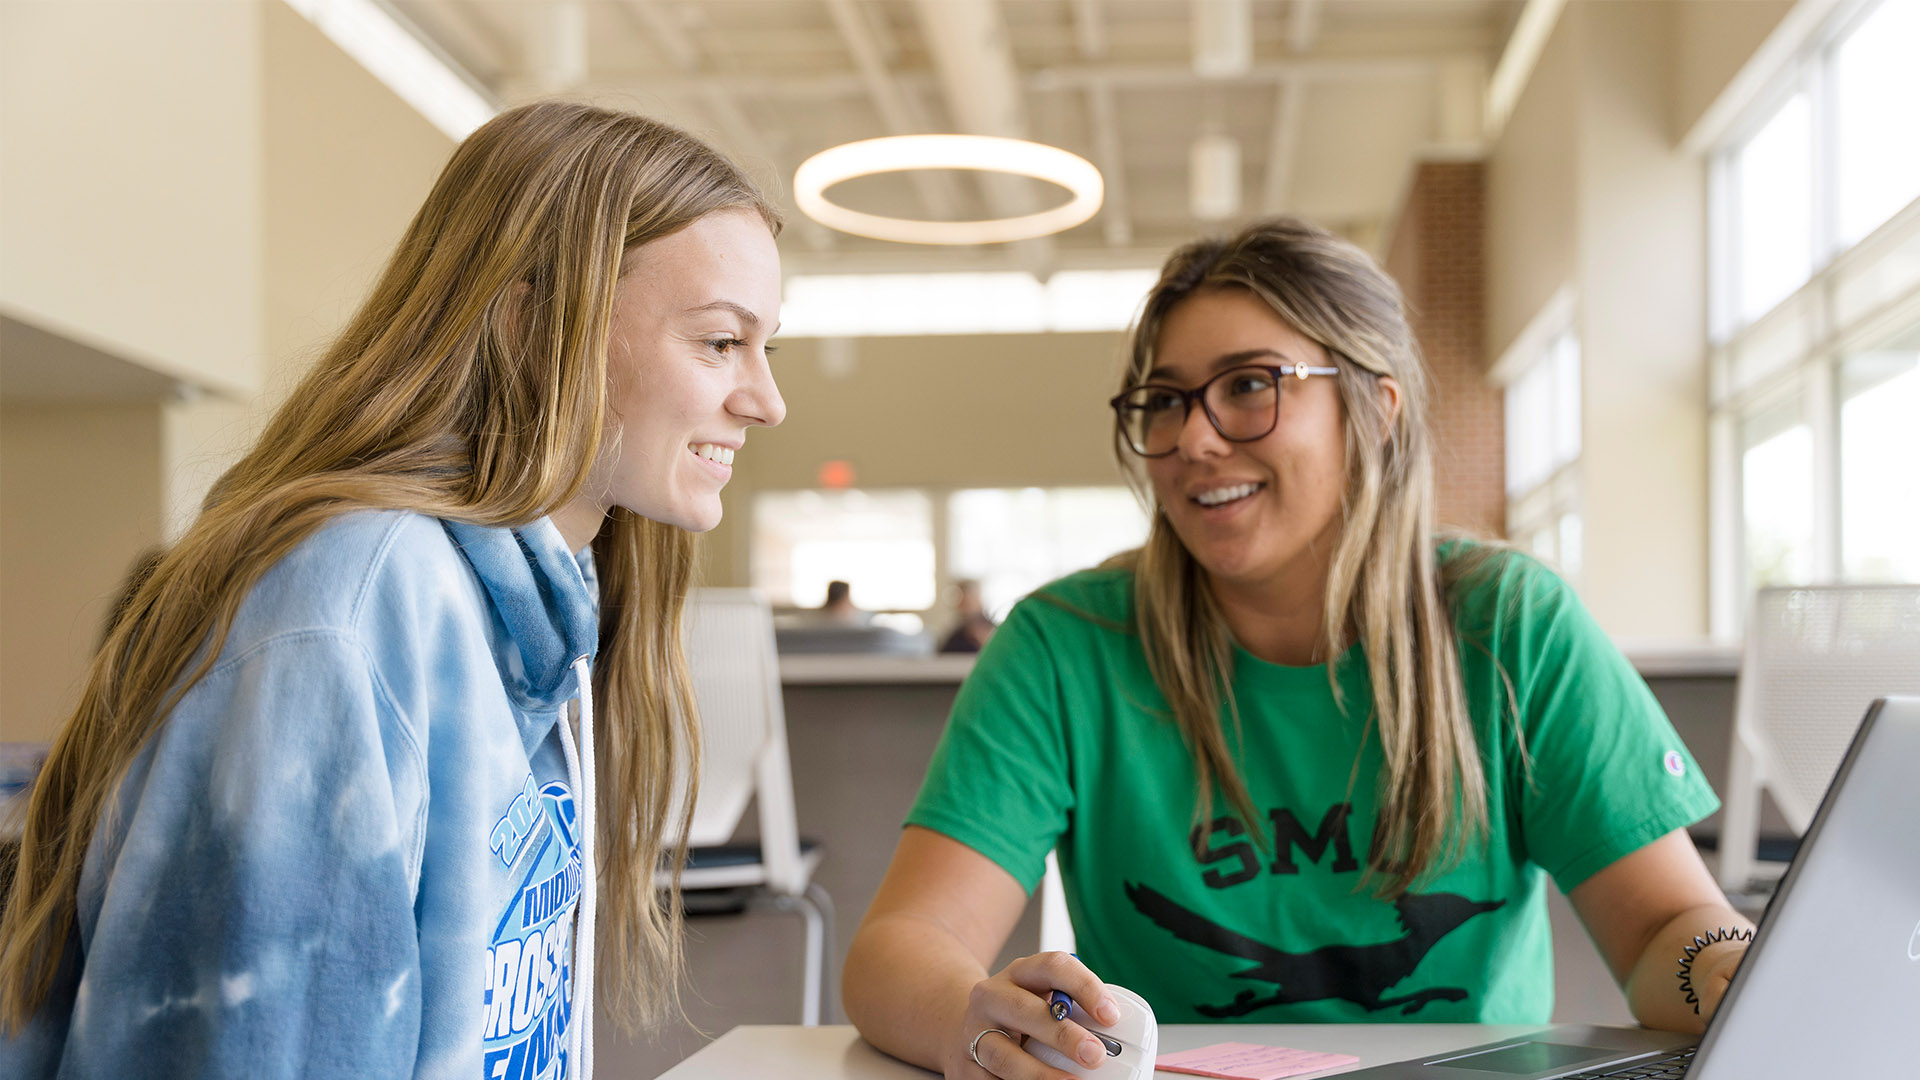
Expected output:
(1527, 1058)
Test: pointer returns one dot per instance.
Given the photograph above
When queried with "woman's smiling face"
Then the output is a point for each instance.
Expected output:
(687, 368)
(1250, 512)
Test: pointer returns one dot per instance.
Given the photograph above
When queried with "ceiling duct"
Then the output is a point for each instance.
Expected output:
(1222, 38)
(1213, 180)
(973, 56)
(557, 44)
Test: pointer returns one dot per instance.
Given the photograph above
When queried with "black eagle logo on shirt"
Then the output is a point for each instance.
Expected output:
(1361, 974)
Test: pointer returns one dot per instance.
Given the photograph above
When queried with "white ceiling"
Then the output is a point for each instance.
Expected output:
(1341, 99)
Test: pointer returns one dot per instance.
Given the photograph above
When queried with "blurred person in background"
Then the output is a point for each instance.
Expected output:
(839, 608)
(974, 627)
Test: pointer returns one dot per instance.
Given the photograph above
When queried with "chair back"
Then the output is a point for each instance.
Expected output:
(1816, 657)
(743, 729)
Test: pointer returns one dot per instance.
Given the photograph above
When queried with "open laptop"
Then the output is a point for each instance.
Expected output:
(1830, 986)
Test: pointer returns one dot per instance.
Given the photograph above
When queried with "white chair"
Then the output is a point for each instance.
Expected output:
(743, 730)
(1816, 657)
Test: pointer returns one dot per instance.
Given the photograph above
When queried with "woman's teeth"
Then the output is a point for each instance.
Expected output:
(721, 454)
(1222, 496)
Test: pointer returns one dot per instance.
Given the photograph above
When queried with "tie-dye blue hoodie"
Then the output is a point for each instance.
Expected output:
(356, 846)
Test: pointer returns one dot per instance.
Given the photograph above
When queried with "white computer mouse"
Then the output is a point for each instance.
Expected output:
(1131, 1043)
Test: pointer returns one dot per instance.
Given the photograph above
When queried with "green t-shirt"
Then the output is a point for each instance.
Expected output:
(1061, 739)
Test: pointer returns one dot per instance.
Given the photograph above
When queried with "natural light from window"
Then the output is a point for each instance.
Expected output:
(1879, 448)
(1014, 540)
(1876, 84)
(1543, 416)
(879, 542)
(1776, 488)
(1773, 177)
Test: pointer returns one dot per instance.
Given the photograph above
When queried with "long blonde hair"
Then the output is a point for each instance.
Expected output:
(1383, 588)
(471, 385)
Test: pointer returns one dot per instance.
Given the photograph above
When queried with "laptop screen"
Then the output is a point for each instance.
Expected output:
(1831, 985)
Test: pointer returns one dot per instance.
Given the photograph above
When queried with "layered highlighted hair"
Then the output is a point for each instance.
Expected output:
(470, 385)
(1384, 588)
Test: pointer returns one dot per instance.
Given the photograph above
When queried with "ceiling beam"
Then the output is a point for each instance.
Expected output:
(1090, 37)
(555, 57)
(1522, 52)
(1116, 220)
(974, 59)
(1303, 25)
(667, 37)
(718, 104)
(830, 86)
(881, 32)
(1089, 30)
(1283, 145)
(898, 112)
(476, 46)
(1318, 69)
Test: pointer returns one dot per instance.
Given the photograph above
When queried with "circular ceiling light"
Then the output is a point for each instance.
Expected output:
(986, 153)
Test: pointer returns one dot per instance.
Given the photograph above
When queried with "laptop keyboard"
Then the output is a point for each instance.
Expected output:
(1666, 1068)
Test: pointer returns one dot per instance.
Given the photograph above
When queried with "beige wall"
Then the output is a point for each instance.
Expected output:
(1641, 298)
(1531, 195)
(346, 165)
(79, 502)
(132, 179)
(343, 164)
(1712, 39)
(298, 180)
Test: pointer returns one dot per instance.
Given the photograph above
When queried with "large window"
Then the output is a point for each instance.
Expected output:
(1879, 449)
(1014, 540)
(879, 542)
(1542, 376)
(897, 548)
(1876, 84)
(1771, 180)
(1816, 266)
(1776, 493)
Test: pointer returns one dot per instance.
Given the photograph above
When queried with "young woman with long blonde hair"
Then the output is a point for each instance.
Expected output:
(323, 806)
(1301, 760)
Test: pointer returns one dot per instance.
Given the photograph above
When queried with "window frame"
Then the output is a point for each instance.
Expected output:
(940, 496)
(1855, 299)
(1558, 492)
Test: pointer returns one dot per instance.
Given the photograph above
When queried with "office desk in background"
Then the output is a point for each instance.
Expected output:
(837, 1053)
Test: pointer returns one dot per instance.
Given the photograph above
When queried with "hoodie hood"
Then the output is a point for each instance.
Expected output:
(548, 600)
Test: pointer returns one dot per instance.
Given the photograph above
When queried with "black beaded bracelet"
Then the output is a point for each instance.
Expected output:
(1714, 936)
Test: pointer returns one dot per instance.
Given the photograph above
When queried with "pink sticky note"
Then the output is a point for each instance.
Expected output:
(1249, 1061)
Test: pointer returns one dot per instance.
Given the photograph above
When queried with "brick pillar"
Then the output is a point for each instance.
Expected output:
(1436, 256)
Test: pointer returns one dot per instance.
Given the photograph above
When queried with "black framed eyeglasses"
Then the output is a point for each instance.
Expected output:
(1242, 404)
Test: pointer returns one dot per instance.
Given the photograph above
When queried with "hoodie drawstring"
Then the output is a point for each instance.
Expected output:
(580, 777)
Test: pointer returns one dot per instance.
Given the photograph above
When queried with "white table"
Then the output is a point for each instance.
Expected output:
(838, 1053)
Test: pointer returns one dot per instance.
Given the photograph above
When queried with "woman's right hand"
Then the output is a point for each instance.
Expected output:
(1007, 1009)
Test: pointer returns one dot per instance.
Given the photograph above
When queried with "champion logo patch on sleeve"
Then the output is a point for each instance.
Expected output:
(1676, 764)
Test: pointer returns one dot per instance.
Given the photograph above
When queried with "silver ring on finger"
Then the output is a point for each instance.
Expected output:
(973, 1048)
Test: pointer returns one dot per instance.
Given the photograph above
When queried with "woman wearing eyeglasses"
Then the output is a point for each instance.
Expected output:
(1302, 761)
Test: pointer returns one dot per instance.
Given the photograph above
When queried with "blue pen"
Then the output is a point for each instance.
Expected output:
(1059, 1004)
